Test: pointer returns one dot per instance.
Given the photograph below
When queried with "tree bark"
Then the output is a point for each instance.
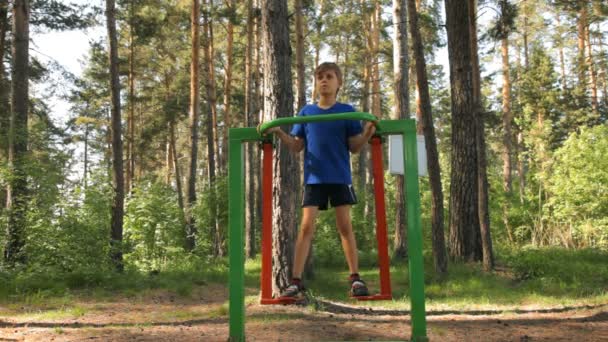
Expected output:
(464, 221)
(482, 178)
(191, 230)
(582, 28)
(278, 102)
(5, 112)
(175, 161)
(16, 193)
(209, 70)
(562, 60)
(401, 111)
(319, 26)
(228, 82)
(300, 80)
(425, 117)
(250, 170)
(592, 75)
(4, 86)
(365, 103)
(507, 117)
(85, 172)
(131, 118)
(211, 124)
(117, 163)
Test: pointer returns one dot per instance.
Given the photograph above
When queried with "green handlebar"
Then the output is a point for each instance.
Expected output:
(316, 118)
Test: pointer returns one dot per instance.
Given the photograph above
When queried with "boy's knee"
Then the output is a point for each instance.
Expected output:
(307, 229)
(345, 229)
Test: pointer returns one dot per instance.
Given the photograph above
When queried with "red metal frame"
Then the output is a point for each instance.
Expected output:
(381, 232)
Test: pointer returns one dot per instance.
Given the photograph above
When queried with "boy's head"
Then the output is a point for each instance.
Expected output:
(328, 78)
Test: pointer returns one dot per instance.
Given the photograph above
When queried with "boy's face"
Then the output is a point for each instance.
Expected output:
(327, 83)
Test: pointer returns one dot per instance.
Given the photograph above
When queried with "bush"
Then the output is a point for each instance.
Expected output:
(154, 226)
(578, 188)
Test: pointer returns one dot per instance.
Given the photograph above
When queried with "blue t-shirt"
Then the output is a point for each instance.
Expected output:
(326, 155)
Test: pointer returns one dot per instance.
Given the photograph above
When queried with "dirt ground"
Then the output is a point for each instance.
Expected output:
(163, 317)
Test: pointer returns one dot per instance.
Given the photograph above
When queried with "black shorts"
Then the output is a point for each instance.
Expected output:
(317, 195)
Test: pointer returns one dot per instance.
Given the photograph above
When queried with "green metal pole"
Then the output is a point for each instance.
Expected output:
(316, 118)
(414, 236)
(236, 238)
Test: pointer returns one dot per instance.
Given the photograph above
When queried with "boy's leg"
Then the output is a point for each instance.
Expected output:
(307, 229)
(349, 244)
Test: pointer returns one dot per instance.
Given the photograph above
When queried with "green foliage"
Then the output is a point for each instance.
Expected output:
(154, 226)
(56, 15)
(40, 286)
(579, 187)
(74, 235)
(557, 270)
(209, 208)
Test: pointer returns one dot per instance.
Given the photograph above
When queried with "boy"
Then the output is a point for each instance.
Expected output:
(327, 174)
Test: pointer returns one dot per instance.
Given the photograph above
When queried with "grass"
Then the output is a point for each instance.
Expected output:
(532, 277)
(543, 277)
(63, 313)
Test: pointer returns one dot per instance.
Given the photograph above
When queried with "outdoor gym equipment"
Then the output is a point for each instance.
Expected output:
(405, 128)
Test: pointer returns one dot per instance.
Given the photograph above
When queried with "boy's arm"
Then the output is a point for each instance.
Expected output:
(356, 142)
(294, 144)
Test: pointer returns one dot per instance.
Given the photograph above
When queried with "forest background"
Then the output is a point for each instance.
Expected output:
(135, 179)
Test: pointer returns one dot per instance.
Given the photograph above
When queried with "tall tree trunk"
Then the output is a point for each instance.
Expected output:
(210, 85)
(175, 161)
(362, 156)
(592, 74)
(278, 102)
(4, 86)
(345, 69)
(562, 60)
(482, 178)
(582, 28)
(228, 82)
(117, 166)
(376, 96)
(250, 176)
(507, 116)
(258, 108)
(401, 111)
(300, 80)
(603, 72)
(191, 230)
(168, 149)
(365, 93)
(16, 193)
(525, 37)
(319, 27)
(85, 172)
(211, 124)
(507, 119)
(168, 161)
(301, 102)
(519, 143)
(5, 112)
(131, 118)
(376, 105)
(464, 220)
(425, 117)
